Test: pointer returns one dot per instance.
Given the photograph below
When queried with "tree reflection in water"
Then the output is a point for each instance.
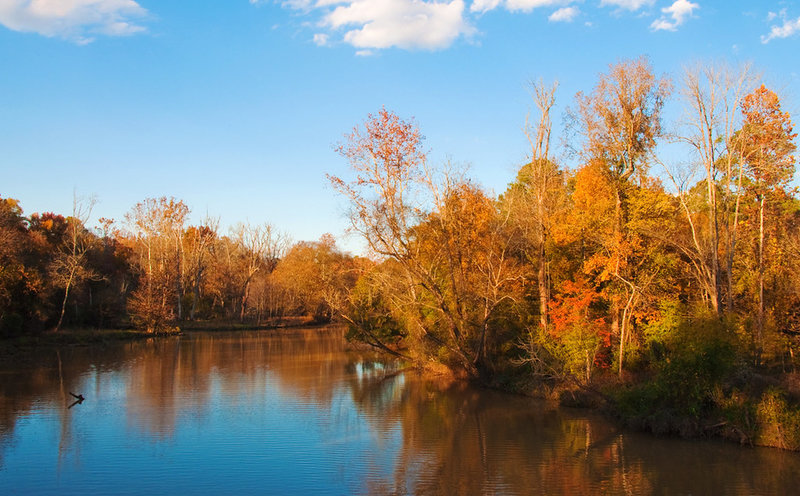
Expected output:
(346, 422)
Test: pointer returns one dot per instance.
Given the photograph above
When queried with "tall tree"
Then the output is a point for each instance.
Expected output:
(260, 248)
(455, 259)
(768, 150)
(711, 94)
(69, 266)
(157, 226)
(15, 289)
(199, 244)
(620, 122)
(538, 193)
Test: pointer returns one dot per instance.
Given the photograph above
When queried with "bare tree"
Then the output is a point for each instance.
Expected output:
(712, 94)
(542, 186)
(261, 247)
(69, 268)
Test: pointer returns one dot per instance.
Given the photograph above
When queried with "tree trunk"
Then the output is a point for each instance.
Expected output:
(760, 322)
(64, 303)
(714, 228)
(195, 297)
(179, 278)
(615, 324)
(544, 295)
(244, 301)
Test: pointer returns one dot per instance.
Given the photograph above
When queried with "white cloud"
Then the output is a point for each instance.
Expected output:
(679, 11)
(626, 4)
(399, 23)
(790, 27)
(529, 5)
(565, 14)
(76, 20)
(484, 5)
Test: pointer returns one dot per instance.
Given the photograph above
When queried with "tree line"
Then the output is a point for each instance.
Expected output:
(587, 267)
(154, 271)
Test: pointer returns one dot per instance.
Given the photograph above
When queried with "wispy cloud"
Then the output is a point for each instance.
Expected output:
(564, 14)
(790, 27)
(516, 5)
(76, 20)
(674, 15)
(626, 4)
(320, 39)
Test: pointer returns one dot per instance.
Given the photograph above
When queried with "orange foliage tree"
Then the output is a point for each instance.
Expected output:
(578, 326)
(620, 122)
(768, 149)
(455, 261)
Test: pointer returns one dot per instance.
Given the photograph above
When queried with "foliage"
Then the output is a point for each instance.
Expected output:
(582, 333)
(695, 360)
(779, 421)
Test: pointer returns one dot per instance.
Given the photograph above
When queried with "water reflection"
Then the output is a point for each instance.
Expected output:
(295, 412)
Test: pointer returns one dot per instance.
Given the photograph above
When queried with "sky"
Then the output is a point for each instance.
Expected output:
(236, 106)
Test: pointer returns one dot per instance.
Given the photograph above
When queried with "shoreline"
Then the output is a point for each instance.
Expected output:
(88, 337)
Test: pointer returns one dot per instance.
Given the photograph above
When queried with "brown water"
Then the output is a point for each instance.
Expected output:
(294, 412)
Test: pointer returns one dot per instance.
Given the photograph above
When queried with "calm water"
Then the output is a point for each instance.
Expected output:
(296, 413)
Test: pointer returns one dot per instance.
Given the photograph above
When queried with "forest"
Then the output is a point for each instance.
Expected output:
(660, 274)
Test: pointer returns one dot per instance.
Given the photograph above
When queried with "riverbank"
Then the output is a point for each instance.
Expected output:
(227, 325)
(10, 347)
(747, 408)
(85, 337)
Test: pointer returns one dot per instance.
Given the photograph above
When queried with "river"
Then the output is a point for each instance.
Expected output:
(297, 412)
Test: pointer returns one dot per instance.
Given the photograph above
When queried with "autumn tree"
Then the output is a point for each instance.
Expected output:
(320, 275)
(619, 123)
(199, 242)
(259, 247)
(472, 276)
(579, 329)
(768, 147)
(389, 163)
(157, 226)
(453, 289)
(15, 291)
(711, 94)
(538, 194)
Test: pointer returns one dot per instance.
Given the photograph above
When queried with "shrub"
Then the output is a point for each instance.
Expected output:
(778, 421)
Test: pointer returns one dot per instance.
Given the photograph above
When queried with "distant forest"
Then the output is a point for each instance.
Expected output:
(154, 271)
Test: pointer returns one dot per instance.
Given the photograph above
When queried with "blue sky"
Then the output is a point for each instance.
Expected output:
(234, 106)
